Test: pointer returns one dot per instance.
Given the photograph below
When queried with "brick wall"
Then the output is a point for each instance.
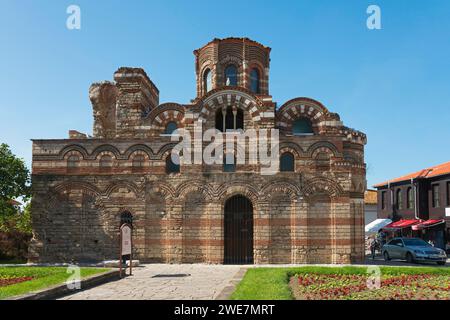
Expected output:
(312, 215)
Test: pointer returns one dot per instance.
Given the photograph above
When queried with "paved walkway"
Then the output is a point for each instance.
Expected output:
(205, 282)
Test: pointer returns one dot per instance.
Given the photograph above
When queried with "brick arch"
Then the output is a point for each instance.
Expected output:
(73, 147)
(323, 146)
(166, 190)
(224, 63)
(194, 186)
(288, 149)
(255, 64)
(165, 113)
(165, 150)
(283, 187)
(321, 185)
(76, 185)
(115, 185)
(142, 148)
(139, 152)
(122, 210)
(299, 108)
(110, 149)
(227, 190)
(208, 64)
(73, 153)
(243, 99)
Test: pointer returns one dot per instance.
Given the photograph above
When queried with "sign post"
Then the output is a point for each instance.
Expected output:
(126, 244)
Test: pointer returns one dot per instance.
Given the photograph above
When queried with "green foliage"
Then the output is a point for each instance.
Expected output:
(23, 220)
(14, 180)
(19, 222)
(43, 277)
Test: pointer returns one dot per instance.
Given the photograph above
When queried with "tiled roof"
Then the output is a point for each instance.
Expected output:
(431, 172)
(235, 39)
(370, 197)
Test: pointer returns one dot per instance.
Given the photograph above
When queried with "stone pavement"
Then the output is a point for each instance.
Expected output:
(205, 282)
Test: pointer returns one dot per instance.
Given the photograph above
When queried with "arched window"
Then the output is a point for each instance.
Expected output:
(410, 198)
(287, 162)
(234, 119)
(170, 127)
(172, 167)
(229, 167)
(138, 161)
(207, 80)
(106, 162)
(231, 76)
(254, 81)
(399, 199)
(302, 126)
(73, 161)
(126, 217)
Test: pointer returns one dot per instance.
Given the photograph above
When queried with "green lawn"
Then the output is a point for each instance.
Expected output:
(273, 283)
(42, 277)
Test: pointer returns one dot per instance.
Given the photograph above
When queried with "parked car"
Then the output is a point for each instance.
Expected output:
(413, 250)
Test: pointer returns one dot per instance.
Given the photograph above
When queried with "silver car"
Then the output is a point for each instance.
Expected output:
(413, 250)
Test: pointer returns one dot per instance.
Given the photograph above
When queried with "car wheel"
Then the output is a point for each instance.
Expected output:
(386, 256)
(409, 258)
(441, 263)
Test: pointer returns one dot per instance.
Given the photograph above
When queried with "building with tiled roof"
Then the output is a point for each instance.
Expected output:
(370, 206)
(424, 195)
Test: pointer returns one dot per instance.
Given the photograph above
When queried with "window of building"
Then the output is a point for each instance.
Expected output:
(172, 167)
(383, 200)
(207, 80)
(73, 161)
(410, 198)
(106, 162)
(254, 81)
(399, 199)
(231, 76)
(302, 126)
(287, 162)
(231, 119)
(229, 166)
(138, 161)
(170, 127)
(448, 194)
(126, 217)
(435, 196)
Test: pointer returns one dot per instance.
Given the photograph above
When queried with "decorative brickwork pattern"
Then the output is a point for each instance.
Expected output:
(82, 185)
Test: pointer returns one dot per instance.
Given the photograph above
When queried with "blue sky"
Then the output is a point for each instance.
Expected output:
(393, 84)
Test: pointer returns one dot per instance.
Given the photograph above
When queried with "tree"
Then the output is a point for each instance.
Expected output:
(14, 180)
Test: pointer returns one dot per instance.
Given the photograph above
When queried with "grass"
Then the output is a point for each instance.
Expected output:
(43, 277)
(273, 283)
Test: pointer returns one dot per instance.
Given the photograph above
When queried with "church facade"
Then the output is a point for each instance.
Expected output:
(310, 210)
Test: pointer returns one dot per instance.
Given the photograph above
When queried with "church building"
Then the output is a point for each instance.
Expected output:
(310, 210)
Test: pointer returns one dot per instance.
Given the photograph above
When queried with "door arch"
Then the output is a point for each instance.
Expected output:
(238, 230)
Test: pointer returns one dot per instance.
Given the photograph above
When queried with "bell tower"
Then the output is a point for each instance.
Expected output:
(232, 62)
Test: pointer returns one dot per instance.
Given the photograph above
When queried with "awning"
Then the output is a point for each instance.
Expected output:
(376, 225)
(428, 224)
(401, 224)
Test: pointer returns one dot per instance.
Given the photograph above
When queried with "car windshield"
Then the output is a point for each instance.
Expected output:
(415, 242)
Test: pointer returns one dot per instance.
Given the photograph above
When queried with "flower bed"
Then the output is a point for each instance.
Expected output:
(315, 286)
(7, 281)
